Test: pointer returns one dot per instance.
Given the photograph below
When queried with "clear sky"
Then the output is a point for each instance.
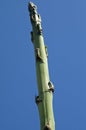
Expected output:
(64, 29)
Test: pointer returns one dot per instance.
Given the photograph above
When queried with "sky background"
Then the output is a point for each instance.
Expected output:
(64, 29)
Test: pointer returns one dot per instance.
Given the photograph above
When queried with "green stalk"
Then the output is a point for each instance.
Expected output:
(45, 87)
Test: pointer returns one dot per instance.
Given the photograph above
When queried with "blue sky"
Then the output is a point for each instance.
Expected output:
(64, 28)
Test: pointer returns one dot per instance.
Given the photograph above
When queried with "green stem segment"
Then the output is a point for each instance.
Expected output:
(45, 86)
